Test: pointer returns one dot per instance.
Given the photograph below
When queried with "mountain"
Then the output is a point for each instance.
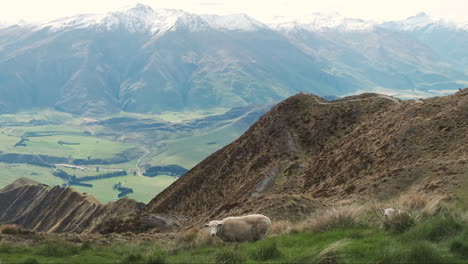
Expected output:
(307, 152)
(149, 61)
(445, 37)
(57, 209)
(385, 58)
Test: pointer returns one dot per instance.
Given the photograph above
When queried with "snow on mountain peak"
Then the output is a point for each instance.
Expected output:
(140, 18)
(423, 21)
(320, 22)
(233, 22)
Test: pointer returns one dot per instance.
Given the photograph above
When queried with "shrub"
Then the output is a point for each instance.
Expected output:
(132, 259)
(398, 223)
(459, 248)
(228, 256)
(266, 251)
(338, 217)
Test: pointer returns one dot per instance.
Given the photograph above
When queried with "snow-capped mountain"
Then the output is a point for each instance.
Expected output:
(321, 22)
(151, 60)
(233, 22)
(423, 21)
(141, 18)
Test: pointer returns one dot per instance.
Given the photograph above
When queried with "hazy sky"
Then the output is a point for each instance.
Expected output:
(38, 10)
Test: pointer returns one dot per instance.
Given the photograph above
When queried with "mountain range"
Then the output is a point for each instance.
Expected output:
(149, 61)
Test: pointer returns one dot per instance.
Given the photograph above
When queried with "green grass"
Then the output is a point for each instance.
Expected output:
(345, 246)
(145, 188)
(189, 151)
(10, 172)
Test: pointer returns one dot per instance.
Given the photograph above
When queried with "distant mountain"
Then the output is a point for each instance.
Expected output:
(446, 38)
(307, 152)
(148, 61)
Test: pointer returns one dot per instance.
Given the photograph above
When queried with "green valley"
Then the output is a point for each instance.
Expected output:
(57, 148)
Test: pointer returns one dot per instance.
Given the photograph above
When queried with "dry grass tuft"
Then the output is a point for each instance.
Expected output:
(195, 237)
(330, 255)
(336, 217)
(281, 227)
(10, 229)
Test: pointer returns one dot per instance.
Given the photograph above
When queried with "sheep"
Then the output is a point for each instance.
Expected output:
(390, 212)
(240, 228)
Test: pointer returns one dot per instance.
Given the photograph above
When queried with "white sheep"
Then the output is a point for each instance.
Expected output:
(240, 228)
(390, 212)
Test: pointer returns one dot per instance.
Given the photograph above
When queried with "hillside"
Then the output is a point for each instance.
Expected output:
(42, 208)
(307, 151)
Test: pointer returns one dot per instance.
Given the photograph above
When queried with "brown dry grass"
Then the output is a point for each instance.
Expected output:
(10, 229)
(193, 238)
(335, 217)
(281, 227)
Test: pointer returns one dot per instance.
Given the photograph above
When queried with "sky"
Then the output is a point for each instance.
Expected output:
(12, 11)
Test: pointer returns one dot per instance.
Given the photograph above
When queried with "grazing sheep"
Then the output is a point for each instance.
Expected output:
(241, 228)
(390, 212)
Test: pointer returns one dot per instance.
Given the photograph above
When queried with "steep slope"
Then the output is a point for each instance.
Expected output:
(307, 151)
(56, 209)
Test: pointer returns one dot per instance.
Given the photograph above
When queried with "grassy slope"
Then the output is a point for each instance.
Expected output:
(421, 244)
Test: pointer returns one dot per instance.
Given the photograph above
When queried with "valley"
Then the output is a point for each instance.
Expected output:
(94, 154)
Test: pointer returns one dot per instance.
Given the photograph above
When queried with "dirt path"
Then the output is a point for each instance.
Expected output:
(139, 160)
(395, 100)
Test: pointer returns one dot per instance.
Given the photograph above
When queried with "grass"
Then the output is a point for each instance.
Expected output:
(189, 151)
(364, 244)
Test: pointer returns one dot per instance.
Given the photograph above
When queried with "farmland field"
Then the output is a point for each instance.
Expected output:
(58, 148)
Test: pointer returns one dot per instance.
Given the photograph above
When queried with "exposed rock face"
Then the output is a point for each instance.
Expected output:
(307, 149)
(57, 209)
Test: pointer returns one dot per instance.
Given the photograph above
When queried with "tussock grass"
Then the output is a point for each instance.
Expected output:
(31, 261)
(132, 259)
(332, 254)
(159, 258)
(193, 238)
(229, 256)
(266, 251)
(333, 218)
(57, 249)
(10, 229)
(436, 229)
(460, 248)
(281, 227)
(398, 223)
